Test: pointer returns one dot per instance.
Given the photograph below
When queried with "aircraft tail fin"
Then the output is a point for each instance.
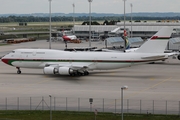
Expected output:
(127, 43)
(158, 42)
(126, 40)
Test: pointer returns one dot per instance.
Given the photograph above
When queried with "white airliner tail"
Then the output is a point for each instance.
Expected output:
(158, 42)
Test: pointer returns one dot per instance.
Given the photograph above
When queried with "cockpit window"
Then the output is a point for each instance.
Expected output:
(11, 52)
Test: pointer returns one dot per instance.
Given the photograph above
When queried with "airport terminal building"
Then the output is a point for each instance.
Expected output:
(136, 29)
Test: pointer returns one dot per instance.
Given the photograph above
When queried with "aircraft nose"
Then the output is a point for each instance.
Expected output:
(4, 60)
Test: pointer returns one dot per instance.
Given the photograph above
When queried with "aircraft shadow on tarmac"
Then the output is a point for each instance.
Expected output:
(126, 76)
(23, 74)
(98, 74)
(161, 63)
(66, 78)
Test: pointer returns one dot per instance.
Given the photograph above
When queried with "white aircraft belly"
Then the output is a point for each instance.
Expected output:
(27, 64)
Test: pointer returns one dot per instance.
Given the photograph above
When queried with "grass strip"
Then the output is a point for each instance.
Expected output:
(64, 115)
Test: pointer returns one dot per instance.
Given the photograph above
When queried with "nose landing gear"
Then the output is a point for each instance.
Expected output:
(18, 70)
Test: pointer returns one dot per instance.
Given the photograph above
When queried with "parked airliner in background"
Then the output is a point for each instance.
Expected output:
(79, 63)
(67, 35)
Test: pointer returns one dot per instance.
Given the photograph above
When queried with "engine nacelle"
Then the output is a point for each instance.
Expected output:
(65, 71)
(50, 70)
(61, 70)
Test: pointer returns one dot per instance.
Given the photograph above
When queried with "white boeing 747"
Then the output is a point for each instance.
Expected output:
(79, 63)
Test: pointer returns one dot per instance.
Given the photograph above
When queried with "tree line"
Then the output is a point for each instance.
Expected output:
(112, 19)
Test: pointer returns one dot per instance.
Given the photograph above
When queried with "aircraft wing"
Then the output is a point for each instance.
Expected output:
(155, 57)
(74, 66)
(78, 66)
(68, 68)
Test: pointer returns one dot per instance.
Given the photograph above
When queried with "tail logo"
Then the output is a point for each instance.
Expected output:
(126, 40)
(156, 37)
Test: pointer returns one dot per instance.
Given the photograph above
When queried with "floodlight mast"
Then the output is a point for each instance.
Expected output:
(90, 22)
(73, 16)
(122, 88)
(131, 18)
(50, 24)
(124, 24)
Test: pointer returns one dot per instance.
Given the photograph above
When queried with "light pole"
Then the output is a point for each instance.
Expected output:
(131, 18)
(90, 22)
(90, 101)
(124, 24)
(73, 16)
(50, 24)
(50, 108)
(122, 88)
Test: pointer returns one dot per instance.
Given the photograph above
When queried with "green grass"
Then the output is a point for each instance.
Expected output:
(61, 115)
(37, 24)
(3, 44)
(43, 24)
(31, 27)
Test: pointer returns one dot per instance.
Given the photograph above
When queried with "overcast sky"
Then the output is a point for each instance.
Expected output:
(82, 6)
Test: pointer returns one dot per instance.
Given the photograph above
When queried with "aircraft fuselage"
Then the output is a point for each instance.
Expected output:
(39, 58)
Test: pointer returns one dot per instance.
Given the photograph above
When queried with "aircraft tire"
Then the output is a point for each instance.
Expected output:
(80, 74)
(86, 73)
(18, 72)
(178, 57)
(73, 74)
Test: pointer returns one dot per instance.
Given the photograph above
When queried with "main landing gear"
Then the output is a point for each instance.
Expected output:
(80, 73)
(18, 70)
(86, 73)
(178, 57)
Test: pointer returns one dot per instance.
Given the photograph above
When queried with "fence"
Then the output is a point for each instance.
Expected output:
(85, 104)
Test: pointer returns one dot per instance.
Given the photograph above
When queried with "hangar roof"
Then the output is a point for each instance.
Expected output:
(119, 40)
(148, 26)
(135, 40)
(175, 40)
(97, 28)
(113, 28)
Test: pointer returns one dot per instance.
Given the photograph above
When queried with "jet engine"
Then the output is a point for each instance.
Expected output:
(65, 71)
(61, 70)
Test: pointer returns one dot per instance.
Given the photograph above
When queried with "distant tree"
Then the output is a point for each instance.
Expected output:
(95, 23)
(92, 23)
(137, 21)
(113, 19)
(112, 22)
(85, 23)
(106, 22)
